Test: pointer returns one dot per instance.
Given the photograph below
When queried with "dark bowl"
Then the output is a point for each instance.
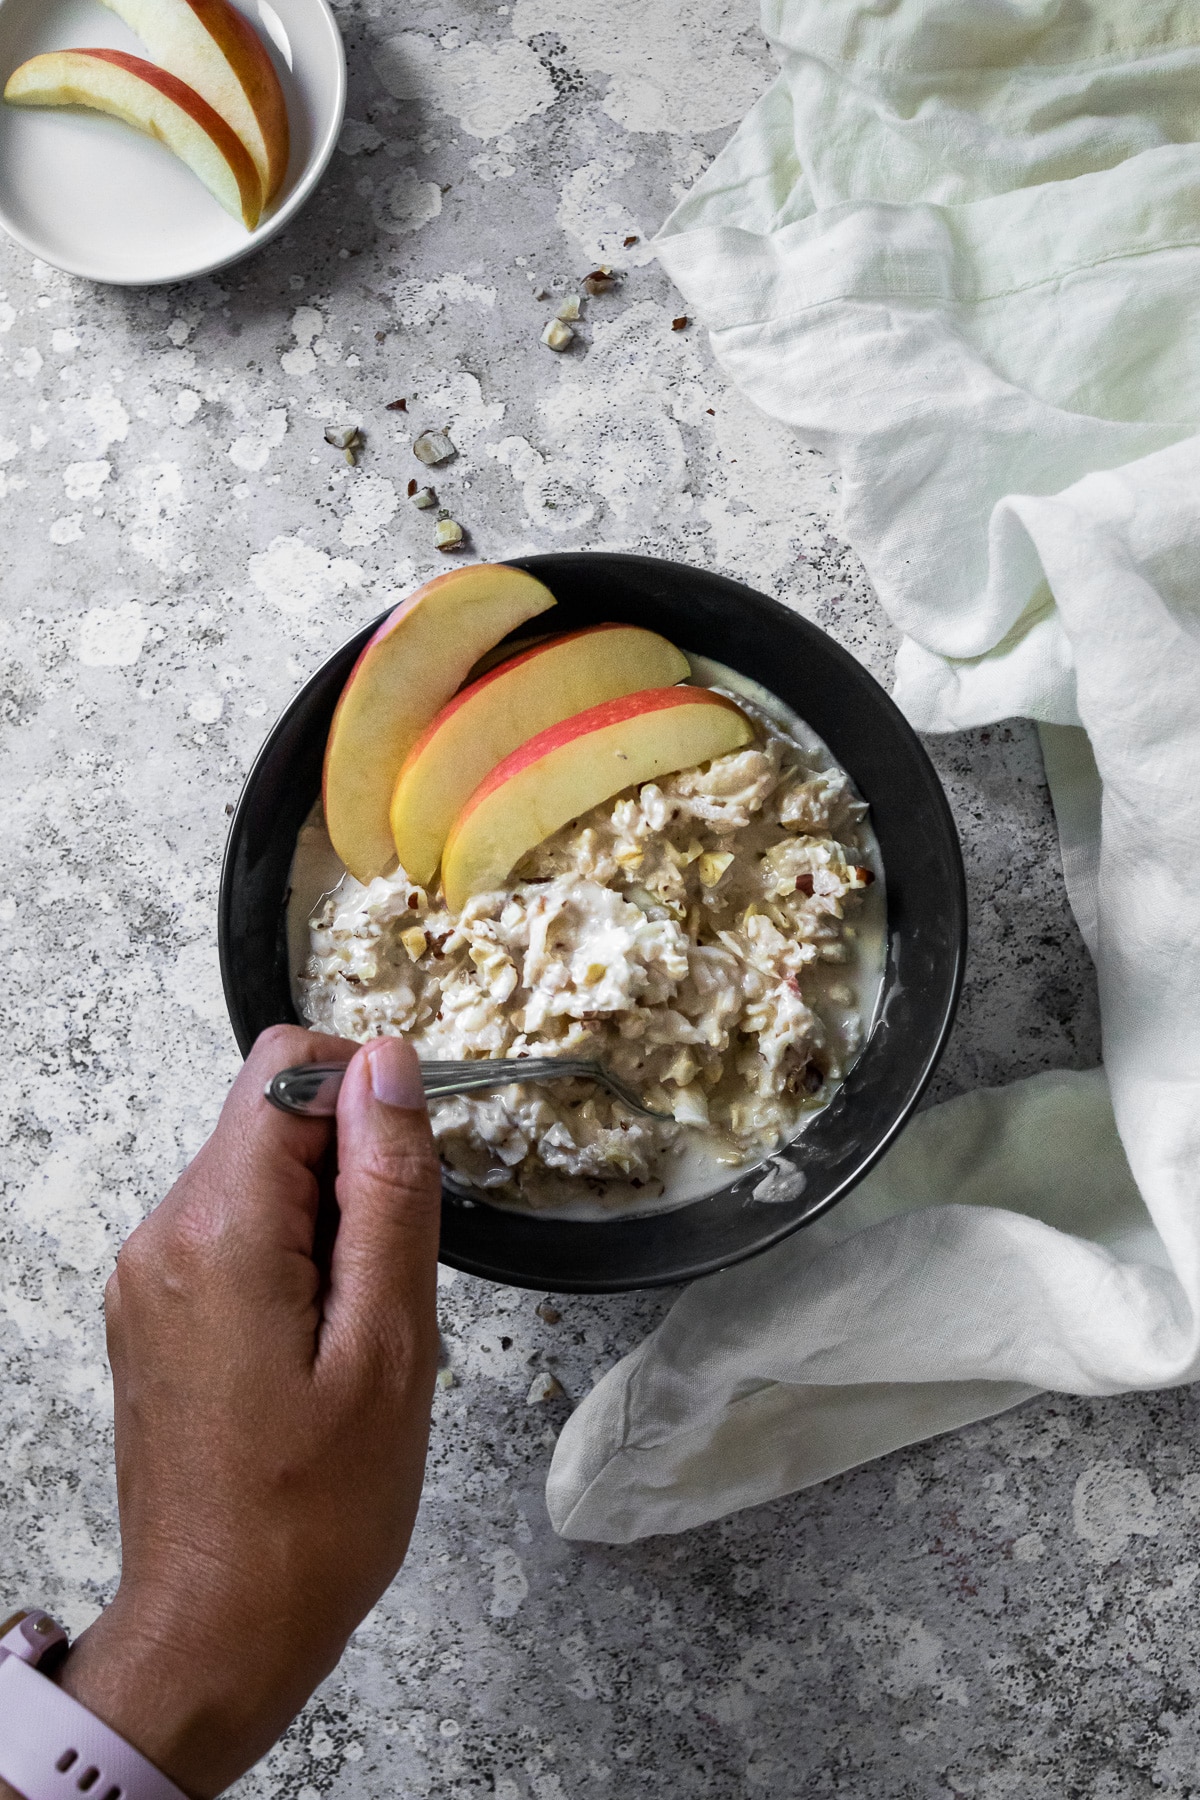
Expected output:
(926, 906)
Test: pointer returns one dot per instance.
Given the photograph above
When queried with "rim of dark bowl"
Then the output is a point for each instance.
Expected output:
(917, 1006)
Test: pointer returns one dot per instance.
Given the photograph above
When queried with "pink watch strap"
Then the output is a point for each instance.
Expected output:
(51, 1747)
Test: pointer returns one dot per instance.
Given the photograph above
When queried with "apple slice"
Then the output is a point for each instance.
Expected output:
(215, 49)
(153, 101)
(495, 715)
(417, 659)
(573, 766)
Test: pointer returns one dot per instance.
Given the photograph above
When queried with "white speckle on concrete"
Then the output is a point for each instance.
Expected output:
(110, 637)
(307, 325)
(665, 70)
(297, 577)
(509, 1585)
(406, 202)
(357, 136)
(84, 480)
(1112, 1504)
(488, 89)
(252, 451)
(374, 503)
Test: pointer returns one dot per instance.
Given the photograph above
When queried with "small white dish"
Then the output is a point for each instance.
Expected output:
(96, 198)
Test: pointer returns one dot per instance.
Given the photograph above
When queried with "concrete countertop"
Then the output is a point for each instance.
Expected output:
(1003, 1612)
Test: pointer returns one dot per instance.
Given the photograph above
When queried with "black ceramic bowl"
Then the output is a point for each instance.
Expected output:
(926, 904)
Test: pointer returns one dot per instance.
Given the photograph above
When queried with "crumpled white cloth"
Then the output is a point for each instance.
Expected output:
(957, 245)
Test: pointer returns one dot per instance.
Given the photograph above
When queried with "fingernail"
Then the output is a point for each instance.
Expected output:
(395, 1074)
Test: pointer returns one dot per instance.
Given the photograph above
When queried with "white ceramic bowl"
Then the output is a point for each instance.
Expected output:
(96, 198)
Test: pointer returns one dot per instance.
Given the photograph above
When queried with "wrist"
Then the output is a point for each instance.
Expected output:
(177, 1699)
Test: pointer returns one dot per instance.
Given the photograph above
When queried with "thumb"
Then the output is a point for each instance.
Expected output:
(383, 1272)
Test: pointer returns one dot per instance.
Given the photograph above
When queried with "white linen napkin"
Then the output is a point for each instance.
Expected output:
(958, 247)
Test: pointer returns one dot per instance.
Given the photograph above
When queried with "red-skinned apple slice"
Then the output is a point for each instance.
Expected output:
(573, 766)
(418, 658)
(495, 715)
(215, 49)
(153, 101)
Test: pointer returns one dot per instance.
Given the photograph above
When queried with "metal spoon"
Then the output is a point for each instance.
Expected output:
(311, 1089)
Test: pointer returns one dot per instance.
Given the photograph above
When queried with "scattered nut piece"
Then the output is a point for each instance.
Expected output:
(544, 1387)
(557, 335)
(541, 293)
(711, 411)
(433, 447)
(445, 1378)
(569, 308)
(600, 281)
(861, 877)
(448, 534)
(549, 1313)
(415, 942)
(681, 323)
(630, 241)
(397, 405)
(422, 497)
(412, 487)
(713, 865)
(348, 439)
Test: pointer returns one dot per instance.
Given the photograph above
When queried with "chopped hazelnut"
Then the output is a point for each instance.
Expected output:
(423, 497)
(433, 447)
(713, 865)
(448, 534)
(557, 335)
(415, 942)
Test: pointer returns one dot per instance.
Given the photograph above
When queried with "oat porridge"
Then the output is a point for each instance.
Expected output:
(716, 937)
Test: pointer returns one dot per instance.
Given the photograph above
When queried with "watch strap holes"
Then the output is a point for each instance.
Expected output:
(88, 1779)
(65, 1760)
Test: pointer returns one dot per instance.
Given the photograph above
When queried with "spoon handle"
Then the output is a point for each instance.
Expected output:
(311, 1089)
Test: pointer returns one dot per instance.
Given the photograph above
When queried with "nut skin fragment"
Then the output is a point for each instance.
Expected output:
(557, 335)
(433, 447)
(397, 406)
(681, 323)
(550, 1314)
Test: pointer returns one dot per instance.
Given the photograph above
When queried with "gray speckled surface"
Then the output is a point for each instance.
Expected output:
(1005, 1612)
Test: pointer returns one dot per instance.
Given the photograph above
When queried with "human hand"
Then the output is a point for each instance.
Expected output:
(271, 1418)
